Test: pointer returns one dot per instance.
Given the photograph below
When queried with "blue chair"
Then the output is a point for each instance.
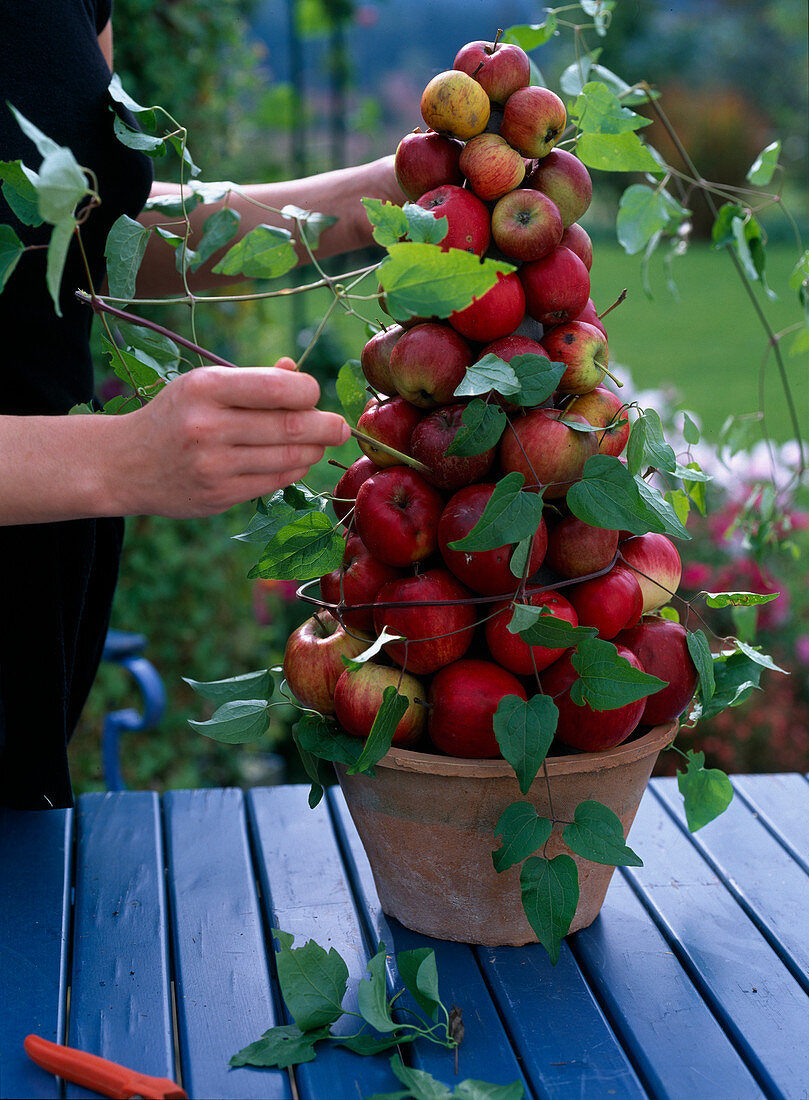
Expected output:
(126, 649)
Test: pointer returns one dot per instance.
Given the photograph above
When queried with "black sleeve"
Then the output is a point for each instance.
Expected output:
(103, 13)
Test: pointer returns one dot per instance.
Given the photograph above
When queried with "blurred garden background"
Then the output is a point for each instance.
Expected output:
(272, 89)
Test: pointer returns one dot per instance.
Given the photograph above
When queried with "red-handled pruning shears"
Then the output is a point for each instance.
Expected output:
(99, 1074)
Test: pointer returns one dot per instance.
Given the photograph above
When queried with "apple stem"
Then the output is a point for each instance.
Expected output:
(496, 42)
(424, 703)
(404, 459)
(621, 297)
(334, 462)
(477, 70)
(609, 374)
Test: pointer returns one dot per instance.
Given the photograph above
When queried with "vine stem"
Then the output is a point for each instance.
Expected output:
(99, 306)
(771, 336)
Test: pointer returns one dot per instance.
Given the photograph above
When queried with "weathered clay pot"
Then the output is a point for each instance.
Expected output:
(427, 825)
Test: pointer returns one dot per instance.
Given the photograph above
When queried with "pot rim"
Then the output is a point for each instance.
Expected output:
(653, 741)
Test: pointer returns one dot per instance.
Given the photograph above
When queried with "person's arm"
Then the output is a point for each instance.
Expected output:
(213, 438)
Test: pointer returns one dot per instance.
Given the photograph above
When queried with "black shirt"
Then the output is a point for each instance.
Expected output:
(56, 580)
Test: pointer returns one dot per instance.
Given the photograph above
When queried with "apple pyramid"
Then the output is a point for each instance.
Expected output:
(468, 589)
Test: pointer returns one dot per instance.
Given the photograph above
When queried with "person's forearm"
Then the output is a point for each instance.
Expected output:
(338, 194)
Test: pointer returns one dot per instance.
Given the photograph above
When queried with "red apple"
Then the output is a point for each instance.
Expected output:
(468, 219)
(359, 694)
(455, 104)
(491, 166)
(526, 225)
(610, 603)
(496, 313)
(581, 727)
(391, 421)
(584, 351)
(576, 549)
(656, 563)
(428, 363)
(396, 515)
(356, 581)
(604, 409)
(375, 358)
(546, 450)
(510, 650)
(556, 287)
(439, 626)
(578, 240)
(429, 443)
(484, 571)
(661, 646)
(463, 700)
(533, 121)
(589, 313)
(499, 67)
(345, 491)
(562, 177)
(424, 161)
(313, 660)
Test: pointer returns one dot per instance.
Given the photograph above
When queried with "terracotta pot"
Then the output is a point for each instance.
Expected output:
(427, 825)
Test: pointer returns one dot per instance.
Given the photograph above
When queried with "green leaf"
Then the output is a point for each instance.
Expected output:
(236, 722)
(250, 685)
(596, 833)
(524, 732)
(281, 1047)
(269, 519)
(61, 186)
(736, 228)
(470, 1089)
(367, 1045)
(423, 225)
(372, 996)
(537, 376)
(529, 36)
(117, 92)
(264, 253)
(700, 650)
(706, 792)
(420, 1084)
(616, 153)
(735, 677)
(388, 219)
(539, 626)
(20, 192)
(307, 547)
(218, 228)
(509, 516)
(58, 245)
(352, 390)
(160, 351)
(754, 654)
(421, 280)
(691, 432)
(607, 495)
(647, 445)
(313, 981)
(644, 211)
(11, 248)
(311, 765)
(45, 145)
(132, 367)
(739, 599)
(310, 224)
(598, 111)
(763, 167)
(419, 973)
(483, 425)
(321, 737)
(152, 145)
(607, 680)
(126, 244)
(381, 736)
(523, 832)
(488, 373)
(550, 894)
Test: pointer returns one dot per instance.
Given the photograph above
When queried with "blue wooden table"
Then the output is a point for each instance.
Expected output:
(154, 913)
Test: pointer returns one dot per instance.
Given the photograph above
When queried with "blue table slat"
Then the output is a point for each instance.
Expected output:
(756, 999)
(220, 958)
(781, 802)
(671, 1035)
(772, 888)
(120, 999)
(35, 869)
(306, 893)
(486, 1052)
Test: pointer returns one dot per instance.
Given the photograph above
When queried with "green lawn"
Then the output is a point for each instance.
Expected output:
(706, 344)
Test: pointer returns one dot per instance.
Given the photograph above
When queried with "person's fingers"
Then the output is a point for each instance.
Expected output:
(272, 460)
(251, 387)
(285, 363)
(248, 427)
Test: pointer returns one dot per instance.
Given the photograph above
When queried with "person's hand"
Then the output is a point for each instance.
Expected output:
(216, 437)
